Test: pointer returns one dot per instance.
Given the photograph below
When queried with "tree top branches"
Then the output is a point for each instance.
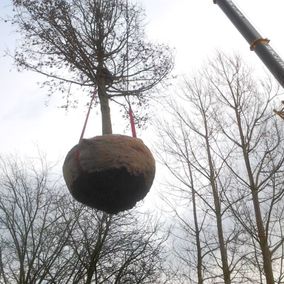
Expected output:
(87, 42)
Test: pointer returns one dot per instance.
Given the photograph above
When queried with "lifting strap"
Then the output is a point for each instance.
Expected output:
(87, 116)
(130, 113)
(77, 153)
(132, 122)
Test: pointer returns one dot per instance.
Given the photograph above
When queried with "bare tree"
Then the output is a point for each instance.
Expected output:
(226, 146)
(91, 43)
(191, 141)
(33, 235)
(122, 249)
(45, 237)
(187, 235)
(235, 143)
(249, 125)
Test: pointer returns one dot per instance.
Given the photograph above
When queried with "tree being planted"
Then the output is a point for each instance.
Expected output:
(96, 44)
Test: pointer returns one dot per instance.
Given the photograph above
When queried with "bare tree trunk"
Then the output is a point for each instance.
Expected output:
(103, 232)
(103, 97)
(266, 254)
(196, 225)
(218, 214)
(197, 237)
(101, 79)
(267, 264)
(192, 231)
(105, 109)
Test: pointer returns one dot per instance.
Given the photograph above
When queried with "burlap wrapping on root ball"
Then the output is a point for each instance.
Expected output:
(110, 172)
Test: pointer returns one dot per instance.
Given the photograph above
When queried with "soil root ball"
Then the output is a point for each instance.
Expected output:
(110, 172)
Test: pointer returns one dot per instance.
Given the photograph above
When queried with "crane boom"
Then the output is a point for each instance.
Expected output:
(258, 44)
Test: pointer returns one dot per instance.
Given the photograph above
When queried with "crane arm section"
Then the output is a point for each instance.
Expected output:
(258, 44)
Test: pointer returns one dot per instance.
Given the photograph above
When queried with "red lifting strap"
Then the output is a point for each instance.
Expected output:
(77, 153)
(87, 116)
(130, 112)
(132, 123)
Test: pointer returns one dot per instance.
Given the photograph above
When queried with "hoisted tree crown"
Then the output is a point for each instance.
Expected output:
(109, 172)
(98, 44)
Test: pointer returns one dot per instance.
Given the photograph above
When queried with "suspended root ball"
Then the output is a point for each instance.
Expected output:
(110, 172)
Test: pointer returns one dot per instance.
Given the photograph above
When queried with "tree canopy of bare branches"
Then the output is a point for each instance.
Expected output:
(224, 147)
(90, 43)
(45, 237)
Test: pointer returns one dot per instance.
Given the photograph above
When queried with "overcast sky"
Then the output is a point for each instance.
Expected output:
(195, 28)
